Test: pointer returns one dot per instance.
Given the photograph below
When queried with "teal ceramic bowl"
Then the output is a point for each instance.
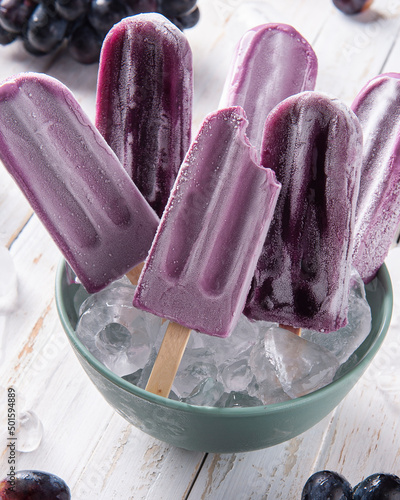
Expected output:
(226, 430)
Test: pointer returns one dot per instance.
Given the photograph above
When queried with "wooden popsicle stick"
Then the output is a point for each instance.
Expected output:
(133, 274)
(293, 329)
(168, 359)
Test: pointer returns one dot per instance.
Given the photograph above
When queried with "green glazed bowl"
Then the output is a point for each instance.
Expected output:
(226, 430)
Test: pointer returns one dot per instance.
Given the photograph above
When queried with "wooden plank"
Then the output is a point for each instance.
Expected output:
(15, 211)
(125, 459)
(353, 49)
(278, 472)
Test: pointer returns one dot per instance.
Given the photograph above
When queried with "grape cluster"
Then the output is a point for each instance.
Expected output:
(327, 484)
(44, 25)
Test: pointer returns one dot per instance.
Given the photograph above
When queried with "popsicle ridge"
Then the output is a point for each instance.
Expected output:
(203, 257)
(198, 216)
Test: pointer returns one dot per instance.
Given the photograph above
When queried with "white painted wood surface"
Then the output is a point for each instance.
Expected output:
(92, 448)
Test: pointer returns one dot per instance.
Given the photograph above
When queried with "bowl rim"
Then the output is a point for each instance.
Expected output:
(231, 412)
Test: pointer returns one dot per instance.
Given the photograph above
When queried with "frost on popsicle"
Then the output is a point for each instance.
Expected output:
(377, 107)
(73, 180)
(144, 101)
(314, 144)
(271, 62)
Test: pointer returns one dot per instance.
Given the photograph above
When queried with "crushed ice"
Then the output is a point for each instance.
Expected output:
(259, 364)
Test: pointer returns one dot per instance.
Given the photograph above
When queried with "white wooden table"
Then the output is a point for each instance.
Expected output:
(92, 448)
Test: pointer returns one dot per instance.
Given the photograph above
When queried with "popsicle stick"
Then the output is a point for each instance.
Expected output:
(168, 359)
(293, 329)
(133, 274)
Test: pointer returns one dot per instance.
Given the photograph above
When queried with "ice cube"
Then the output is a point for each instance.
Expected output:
(29, 431)
(346, 340)
(207, 393)
(196, 366)
(301, 366)
(236, 376)
(265, 384)
(133, 378)
(237, 399)
(258, 364)
(117, 334)
(3, 320)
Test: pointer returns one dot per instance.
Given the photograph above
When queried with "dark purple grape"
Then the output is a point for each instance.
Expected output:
(49, 6)
(45, 31)
(14, 14)
(176, 8)
(71, 9)
(31, 50)
(352, 6)
(378, 487)
(84, 44)
(187, 21)
(327, 485)
(103, 14)
(6, 37)
(34, 485)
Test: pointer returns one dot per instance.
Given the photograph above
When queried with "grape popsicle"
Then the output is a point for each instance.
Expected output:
(377, 106)
(203, 257)
(144, 101)
(314, 145)
(73, 180)
(271, 62)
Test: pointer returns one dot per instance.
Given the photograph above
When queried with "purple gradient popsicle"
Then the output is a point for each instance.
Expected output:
(271, 63)
(203, 257)
(73, 180)
(314, 145)
(378, 208)
(144, 101)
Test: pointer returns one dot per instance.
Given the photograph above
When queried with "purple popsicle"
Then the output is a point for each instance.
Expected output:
(144, 101)
(73, 180)
(203, 257)
(200, 266)
(271, 63)
(314, 144)
(378, 208)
